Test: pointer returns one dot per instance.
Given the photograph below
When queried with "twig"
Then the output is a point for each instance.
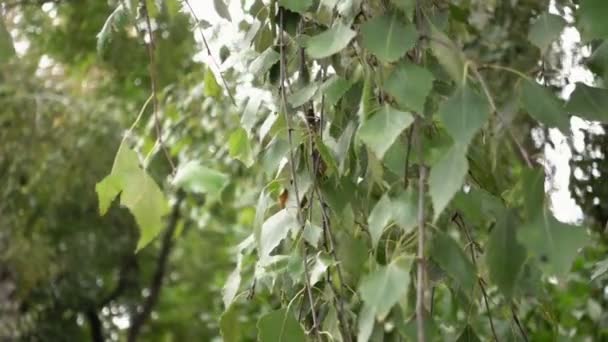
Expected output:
(420, 287)
(518, 323)
(486, 90)
(485, 299)
(294, 182)
(159, 273)
(154, 85)
(206, 44)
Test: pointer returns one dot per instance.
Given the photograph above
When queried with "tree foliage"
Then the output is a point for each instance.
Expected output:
(301, 170)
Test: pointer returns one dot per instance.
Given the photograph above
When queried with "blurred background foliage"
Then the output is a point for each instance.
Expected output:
(69, 274)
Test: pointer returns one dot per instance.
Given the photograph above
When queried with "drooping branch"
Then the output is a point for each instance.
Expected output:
(140, 318)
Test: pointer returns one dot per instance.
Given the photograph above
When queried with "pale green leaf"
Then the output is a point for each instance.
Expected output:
(280, 326)
(505, 256)
(447, 177)
(334, 88)
(212, 88)
(379, 218)
(366, 321)
(381, 130)
(250, 113)
(326, 156)
(299, 6)
(312, 234)
(239, 147)
(302, 95)
(230, 326)
(329, 42)
(387, 37)
(331, 324)
(275, 152)
(591, 19)
(382, 288)
(464, 113)
(589, 103)
(405, 209)
(410, 84)
(545, 30)
(194, 177)
(448, 254)
(139, 193)
(221, 8)
(543, 105)
(232, 284)
(275, 229)
(448, 54)
(553, 244)
(600, 269)
(264, 62)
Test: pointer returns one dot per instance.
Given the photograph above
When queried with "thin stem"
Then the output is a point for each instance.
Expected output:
(420, 287)
(283, 96)
(206, 44)
(519, 326)
(485, 299)
(154, 84)
(486, 90)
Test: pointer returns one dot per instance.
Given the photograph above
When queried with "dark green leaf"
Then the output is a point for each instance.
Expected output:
(222, 9)
(230, 326)
(447, 177)
(329, 42)
(451, 258)
(543, 105)
(410, 84)
(280, 326)
(448, 54)
(468, 335)
(387, 37)
(545, 30)
(383, 288)
(381, 130)
(464, 113)
(553, 244)
(505, 256)
(591, 19)
(589, 103)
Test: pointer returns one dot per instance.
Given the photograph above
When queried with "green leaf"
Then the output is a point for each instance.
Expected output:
(448, 54)
(232, 284)
(383, 288)
(533, 191)
(7, 49)
(591, 19)
(212, 88)
(115, 21)
(312, 234)
(276, 150)
(554, 245)
(464, 113)
(505, 256)
(589, 103)
(366, 321)
(545, 30)
(280, 326)
(446, 178)
(250, 113)
(264, 62)
(334, 88)
(326, 155)
(302, 95)
(239, 147)
(387, 37)
(451, 258)
(600, 269)
(410, 84)
(405, 209)
(230, 326)
(222, 9)
(139, 193)
(194, 177)
(329, 42)
(381, 130)
(543, 105)
(379, 218)
(299, 6)
(275, 229)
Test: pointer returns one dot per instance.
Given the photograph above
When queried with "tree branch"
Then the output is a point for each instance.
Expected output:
(157, 279)
(95, 325)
